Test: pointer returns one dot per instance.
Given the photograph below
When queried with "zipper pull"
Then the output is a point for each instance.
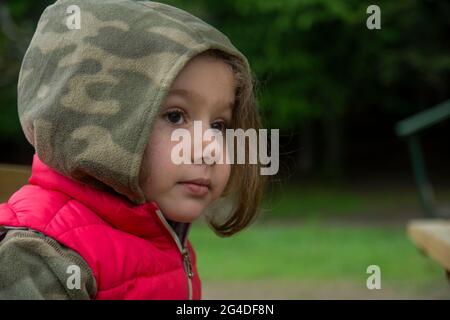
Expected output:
(187, 263)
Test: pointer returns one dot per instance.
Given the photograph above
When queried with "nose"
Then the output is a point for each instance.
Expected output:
(206, 148)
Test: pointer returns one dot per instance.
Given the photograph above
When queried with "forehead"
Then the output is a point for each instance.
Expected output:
(205, 79)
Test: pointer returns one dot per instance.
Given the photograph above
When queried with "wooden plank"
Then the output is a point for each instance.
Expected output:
(433, 237)
(12, 177)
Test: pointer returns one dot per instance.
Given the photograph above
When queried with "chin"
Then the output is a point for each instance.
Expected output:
(185, 214)
(181, 217)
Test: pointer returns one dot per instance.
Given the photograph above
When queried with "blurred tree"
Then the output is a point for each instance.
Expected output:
(18, 20)
(316, 62)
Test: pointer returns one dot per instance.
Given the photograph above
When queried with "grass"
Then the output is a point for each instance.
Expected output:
(313, 252)
(320, 200)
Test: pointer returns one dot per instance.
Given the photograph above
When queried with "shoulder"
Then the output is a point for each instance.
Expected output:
(38, 207)
(35, 266)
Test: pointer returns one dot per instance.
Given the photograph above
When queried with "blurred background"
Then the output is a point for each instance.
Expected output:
(346, 189)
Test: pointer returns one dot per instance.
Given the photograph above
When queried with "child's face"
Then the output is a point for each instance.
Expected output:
(210, 86)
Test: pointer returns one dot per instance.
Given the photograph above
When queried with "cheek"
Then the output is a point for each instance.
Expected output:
(223, 174)
(160, 145)
(159, 159)
(159, 167)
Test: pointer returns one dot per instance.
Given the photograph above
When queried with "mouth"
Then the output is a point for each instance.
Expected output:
(197, 187)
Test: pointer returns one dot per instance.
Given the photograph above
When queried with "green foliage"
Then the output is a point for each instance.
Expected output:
(311, 56)
(18, 22)
(317, 56)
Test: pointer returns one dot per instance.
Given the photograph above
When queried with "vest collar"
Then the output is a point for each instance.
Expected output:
(140, 220)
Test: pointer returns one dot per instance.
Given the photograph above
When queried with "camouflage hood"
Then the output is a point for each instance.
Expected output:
(88, 97)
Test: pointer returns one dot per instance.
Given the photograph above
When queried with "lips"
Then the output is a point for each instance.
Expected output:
(197, 187)
(200, 182)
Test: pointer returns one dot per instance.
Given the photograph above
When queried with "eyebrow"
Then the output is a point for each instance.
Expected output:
(194, 96)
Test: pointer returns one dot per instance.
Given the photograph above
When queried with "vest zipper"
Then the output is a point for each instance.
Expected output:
(183, 250)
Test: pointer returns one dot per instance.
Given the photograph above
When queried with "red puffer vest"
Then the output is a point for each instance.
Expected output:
(132, 250)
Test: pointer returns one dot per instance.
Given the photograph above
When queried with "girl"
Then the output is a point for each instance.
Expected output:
(106, 213)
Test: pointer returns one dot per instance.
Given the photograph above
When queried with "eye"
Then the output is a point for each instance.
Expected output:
(175, 117)
(221, 126)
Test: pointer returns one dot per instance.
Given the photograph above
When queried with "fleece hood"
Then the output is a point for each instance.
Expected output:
(88, 96)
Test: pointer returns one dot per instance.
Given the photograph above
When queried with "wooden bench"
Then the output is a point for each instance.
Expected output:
(12, 177)
(432, 236)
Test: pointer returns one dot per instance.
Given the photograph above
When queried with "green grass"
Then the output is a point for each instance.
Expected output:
(312, 252)
(321, 200)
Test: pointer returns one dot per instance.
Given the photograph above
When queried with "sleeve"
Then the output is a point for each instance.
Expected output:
(34, 266)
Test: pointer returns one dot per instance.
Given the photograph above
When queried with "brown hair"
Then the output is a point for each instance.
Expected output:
(246, 185)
